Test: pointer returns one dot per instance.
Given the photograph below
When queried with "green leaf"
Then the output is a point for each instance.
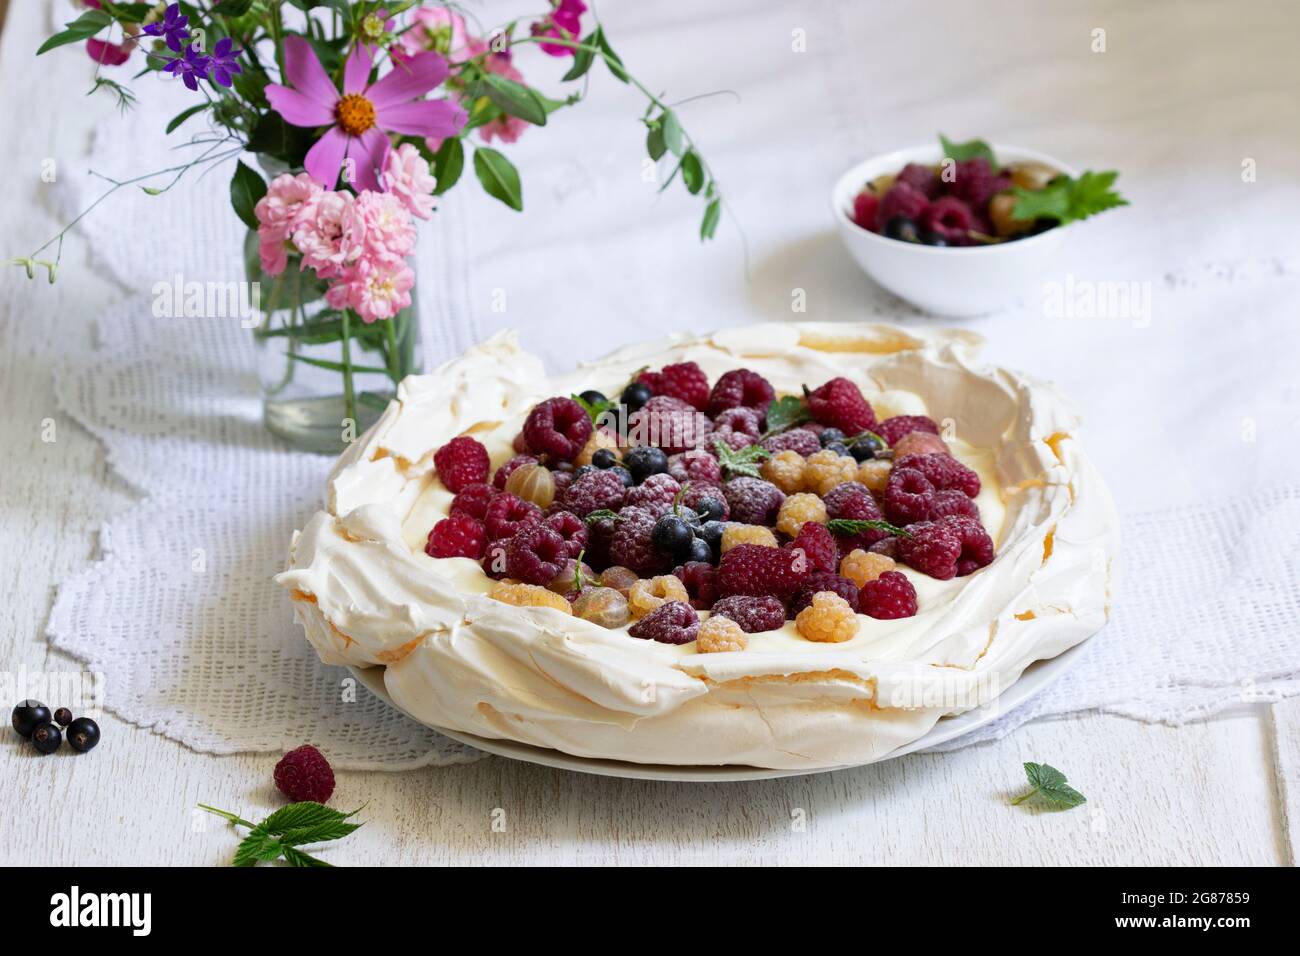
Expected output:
(257, 847)
(672, 131)
(785, 413)
(334, 366)
(601, 514)
(654, 142)
(82, 28)
(499, 177)
(514, 98)
(582, 60)
(859, 525)
(297, 816)
(709, 225)
(246, 188)
(743, 461)
(276, 138)
(973, 149)
(295, 857)
(692, 171)
(594, 409)
(1048, 784)
(448, 164)
(230, 9)
(1066, 199)
(183, 115)
(612, 59)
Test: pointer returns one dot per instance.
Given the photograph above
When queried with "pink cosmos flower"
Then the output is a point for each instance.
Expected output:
(437, 29)
(374, 290)
(277, 217)
(364, 114)
(407, 177)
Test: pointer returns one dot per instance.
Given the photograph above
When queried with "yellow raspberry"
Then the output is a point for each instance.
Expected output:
(862, 566)
(719, 634)
(826, 469)
(799, 509)
(599, 439)
(785, 470)
(735, 533)
(874, 473)
(649, 594)
(828, 619)
(528, 595)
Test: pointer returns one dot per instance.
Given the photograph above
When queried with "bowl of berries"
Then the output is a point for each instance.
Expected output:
(962, 229)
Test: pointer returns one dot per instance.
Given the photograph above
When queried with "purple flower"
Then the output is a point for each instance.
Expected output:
(224, 61)
(191, 67)
(173, 28)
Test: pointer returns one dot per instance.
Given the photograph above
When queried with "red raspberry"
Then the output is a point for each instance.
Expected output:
(822, 581)
(976, 546)
(758, 570)
(909, 496)
(840, 404)
(753, 500)
(818, 545)
(503, 473)
(494, 559)
(599, 536)
(866, 206)
(753, 613)
(943, 471)
(473, 500)
(674, 623)
(745, 424)
(888, 597)
(892, 429)
(921, 178)
(696, 491)
(952, 546)
(701, 582)
(569, 527)
(695, 465)
(685, 381)
(952, 502)
(459, 536)
(305, 774)
(562, 481)
(507, 515)
(536, 555)
(900, 200)
(594, 491)
(740, 388)
(975, 183)
(656, 494)
(558, 427)
(670, 423)
(886, 546)
(853, 500)
(461, 462)
(630, 544)
(801, 440)
(951, 218)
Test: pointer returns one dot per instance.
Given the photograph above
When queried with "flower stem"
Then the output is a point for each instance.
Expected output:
(349, 396)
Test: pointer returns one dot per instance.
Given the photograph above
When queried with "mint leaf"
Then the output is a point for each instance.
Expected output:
(594, 409)
(743, 461)
(601, 514)
(1066, 199)
(1049, 785)
(859, 525)
(785, 413)
(972, 149)
(279, 835)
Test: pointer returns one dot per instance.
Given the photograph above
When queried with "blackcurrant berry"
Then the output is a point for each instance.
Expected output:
(604, 458)
(83, 734)
(712, 531)
(46, 738)
(672, 535)
(711, 509)
(636, 395)
(624, 475)
(63, 716)
(829, 435)
(699, 550)
(900, 227)
(593, 397)
(28, 715)
(838, 447)
(933, 239)
(644, 461)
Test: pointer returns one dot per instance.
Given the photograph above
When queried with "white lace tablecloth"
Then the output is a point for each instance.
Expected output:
(1190, 410)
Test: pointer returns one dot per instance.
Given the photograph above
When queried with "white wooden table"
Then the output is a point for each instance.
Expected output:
(1224, 791)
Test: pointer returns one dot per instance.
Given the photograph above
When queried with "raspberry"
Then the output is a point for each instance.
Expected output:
(558, 427)
(909, 496)
(631, 544)
(900, 200)
(818, 582)
(562, 481)
(866, 205)
(600, 438)
(670, 424)
(305, 774)
(473, 500)
(888, 597)
(718, 635)
(887, 547)
(943, 471)
(818, 546)
(860, 566)
(507, 515)
(656, 494)
(753, 500)
(874, 473)
(827, 619)
(600, 534)
(494, 559)
(754, 614)
(921, 178)
(649, 594)
(619, 578)
(951, 218)
(503, 473)
(685, 381)
(674, 623)
(952, 502)
(701, 581)
(785, 470)
(603, 606)
(800, 440)
(798, 510)
(740, 388)
(827, 469)
(840, 404)
(571, 528)
(458, 536)
(975, 182)
(696, 491)
(932, 549)
(461, 462)
(528, 595)
(920, 443)
(755, 570)
(695, 465)
(532, 483)
(735, 534)
(976, 546)
(738, 427)
(535, 555)
(894, 428)
(594, 491)
(852, 500)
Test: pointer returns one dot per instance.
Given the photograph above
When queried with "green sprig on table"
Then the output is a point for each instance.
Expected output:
(1048, 787)
(280, 835)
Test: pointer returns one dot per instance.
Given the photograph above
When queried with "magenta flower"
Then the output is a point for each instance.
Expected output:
(361, 118)
(565, 22)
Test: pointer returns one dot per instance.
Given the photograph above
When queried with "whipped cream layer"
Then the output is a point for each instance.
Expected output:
(366, 594)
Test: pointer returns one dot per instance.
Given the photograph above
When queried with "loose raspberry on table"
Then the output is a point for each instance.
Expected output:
(569, 527)
(827, 469)
(656, 494)
(901, 200)
(757, 570)
(921, 178)
(754, 613)
(740, 388)
(674, 623)
(701, 581)
(473, 500)
(827, 619)
(801, 440)
(866, 206)
(305, 774)
(603, 606)
(944, 472)
(461, 462)
(820, 581)
(839, 404)
(457, 536)
(719, 635)
(861, 566)
(920, 443)
(619, 578)
(528, 595)
(909, 496)
(696, 492)
(888, 597)
(648, 594)
(950, 218)
(670, 424)
(874, 473)
(753, 500)
(896, 426)
(594, 491)
(684, 380)
(533, 483)
(507, 515)
(631, 544)
(975, 182)
(558, 427)
(695, 465)
(785, 470)
(536, 555)
(503, 473)
(798, 510)
(818, 546)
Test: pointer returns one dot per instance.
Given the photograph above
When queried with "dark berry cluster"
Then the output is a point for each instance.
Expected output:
(32, 720)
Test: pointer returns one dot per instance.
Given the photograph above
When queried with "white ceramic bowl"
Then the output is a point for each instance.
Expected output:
(964, 281)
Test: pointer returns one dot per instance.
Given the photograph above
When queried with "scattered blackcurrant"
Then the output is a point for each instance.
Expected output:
(636, 395)
(604, 458)
(46, 738)
(711, 509)
(83, 734)
(28, 715)
(63, 716)
(672, 535)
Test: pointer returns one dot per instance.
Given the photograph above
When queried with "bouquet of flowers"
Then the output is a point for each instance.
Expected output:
(359, 114)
